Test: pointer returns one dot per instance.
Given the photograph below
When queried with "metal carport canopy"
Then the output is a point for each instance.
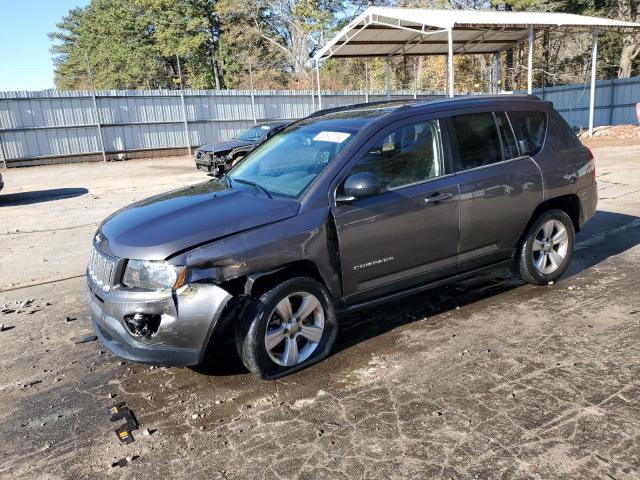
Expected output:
(381, 31)
(387, 32)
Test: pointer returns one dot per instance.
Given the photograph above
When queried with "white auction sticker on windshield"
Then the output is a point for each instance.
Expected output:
(334, 137)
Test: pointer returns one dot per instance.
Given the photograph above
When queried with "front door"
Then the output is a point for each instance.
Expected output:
(408, 233)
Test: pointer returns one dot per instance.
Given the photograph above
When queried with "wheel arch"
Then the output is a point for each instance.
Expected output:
(523, 263)
(246, 289)
(237, 152)
(570, 204)
(259, 282)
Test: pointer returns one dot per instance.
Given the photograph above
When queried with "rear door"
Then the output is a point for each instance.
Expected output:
(499, 187)
(565, 163)
(408, 233)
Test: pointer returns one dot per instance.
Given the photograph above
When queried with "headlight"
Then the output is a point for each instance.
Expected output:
(153, 275)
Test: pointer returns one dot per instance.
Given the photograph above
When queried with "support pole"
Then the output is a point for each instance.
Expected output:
(387, 72)
(96, 114)
(419, 76)
(450, 76)
(313, 94)
(184, 109)
(530, 63)
(415, 79)
(592, 92)
(366, 81)
(253, 97)
(3, 154)
(318, 81)
(496, 72)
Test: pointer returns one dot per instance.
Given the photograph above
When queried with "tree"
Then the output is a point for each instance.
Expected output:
(295, 28)
(71, 66)
(106, 45)
(628, 10)
(188, 29)
(242, 46)
(138, 43)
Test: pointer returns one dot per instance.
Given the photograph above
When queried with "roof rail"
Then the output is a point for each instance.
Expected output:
(410, 101)
(359, 105)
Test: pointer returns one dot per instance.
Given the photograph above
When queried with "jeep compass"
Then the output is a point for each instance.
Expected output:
(340, 211)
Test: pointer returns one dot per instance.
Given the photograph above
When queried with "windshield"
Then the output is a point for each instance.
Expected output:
(252, 134)
(288, 162)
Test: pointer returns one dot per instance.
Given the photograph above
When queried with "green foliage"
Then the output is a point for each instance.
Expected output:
(244, 41)
(176, 27)
(107, 44)
(135, 44)
(279, 34)
(113, 44)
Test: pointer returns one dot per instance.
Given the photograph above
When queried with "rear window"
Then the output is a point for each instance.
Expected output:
(532, 127)
(560, 135)
(477, 139)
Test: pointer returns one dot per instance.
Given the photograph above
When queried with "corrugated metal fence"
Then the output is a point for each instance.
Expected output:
(57, 126)
(615, 102)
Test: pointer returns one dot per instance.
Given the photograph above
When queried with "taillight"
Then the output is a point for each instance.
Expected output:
(592, 158)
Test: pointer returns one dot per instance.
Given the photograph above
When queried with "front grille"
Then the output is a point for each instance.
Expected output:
(101, 270)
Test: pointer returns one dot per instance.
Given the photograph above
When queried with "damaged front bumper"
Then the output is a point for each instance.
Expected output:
(187, 319)
(210, 162)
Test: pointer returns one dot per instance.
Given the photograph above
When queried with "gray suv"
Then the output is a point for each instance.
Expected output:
(340, 211)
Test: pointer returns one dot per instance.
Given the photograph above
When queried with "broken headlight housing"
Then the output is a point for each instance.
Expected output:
(153, 275)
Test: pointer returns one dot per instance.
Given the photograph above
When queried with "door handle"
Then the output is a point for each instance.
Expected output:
(438, 197)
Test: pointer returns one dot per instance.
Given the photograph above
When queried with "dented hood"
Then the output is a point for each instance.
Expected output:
(223, 147)
(160, 226)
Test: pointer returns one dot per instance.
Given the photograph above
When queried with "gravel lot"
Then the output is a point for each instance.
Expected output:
(487, 378)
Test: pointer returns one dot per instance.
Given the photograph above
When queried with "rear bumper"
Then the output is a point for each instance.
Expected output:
(589, 201)
(188, 318)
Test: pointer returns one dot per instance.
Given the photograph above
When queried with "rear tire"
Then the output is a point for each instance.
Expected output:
(547, 248)
(290, 327)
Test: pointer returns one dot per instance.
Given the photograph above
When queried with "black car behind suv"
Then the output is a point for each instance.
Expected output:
(218, 158)
(339, 211)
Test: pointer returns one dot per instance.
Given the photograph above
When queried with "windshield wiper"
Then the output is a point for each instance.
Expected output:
(253, 184)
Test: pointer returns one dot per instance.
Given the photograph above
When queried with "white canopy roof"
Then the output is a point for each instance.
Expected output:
(381, 31)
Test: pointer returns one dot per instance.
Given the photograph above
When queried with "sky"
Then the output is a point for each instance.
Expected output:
(25, 60)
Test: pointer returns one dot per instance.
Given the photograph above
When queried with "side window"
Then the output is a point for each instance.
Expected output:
(477, 139)
(532, 126)
(409, 154)
(509, 147)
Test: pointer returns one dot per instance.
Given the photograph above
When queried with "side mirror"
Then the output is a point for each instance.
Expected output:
(363, 184)
(525, 148)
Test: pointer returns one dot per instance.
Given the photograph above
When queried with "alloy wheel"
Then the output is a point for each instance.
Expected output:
(294, 329)
(550, 246)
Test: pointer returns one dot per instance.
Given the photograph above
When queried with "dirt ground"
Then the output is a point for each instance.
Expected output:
(612, 136)
(488, 378)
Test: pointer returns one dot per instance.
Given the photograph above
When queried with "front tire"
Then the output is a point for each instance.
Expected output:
(291, 326)
(547, 248)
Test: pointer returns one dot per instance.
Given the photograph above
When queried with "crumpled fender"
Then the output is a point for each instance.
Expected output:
(301, 237)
